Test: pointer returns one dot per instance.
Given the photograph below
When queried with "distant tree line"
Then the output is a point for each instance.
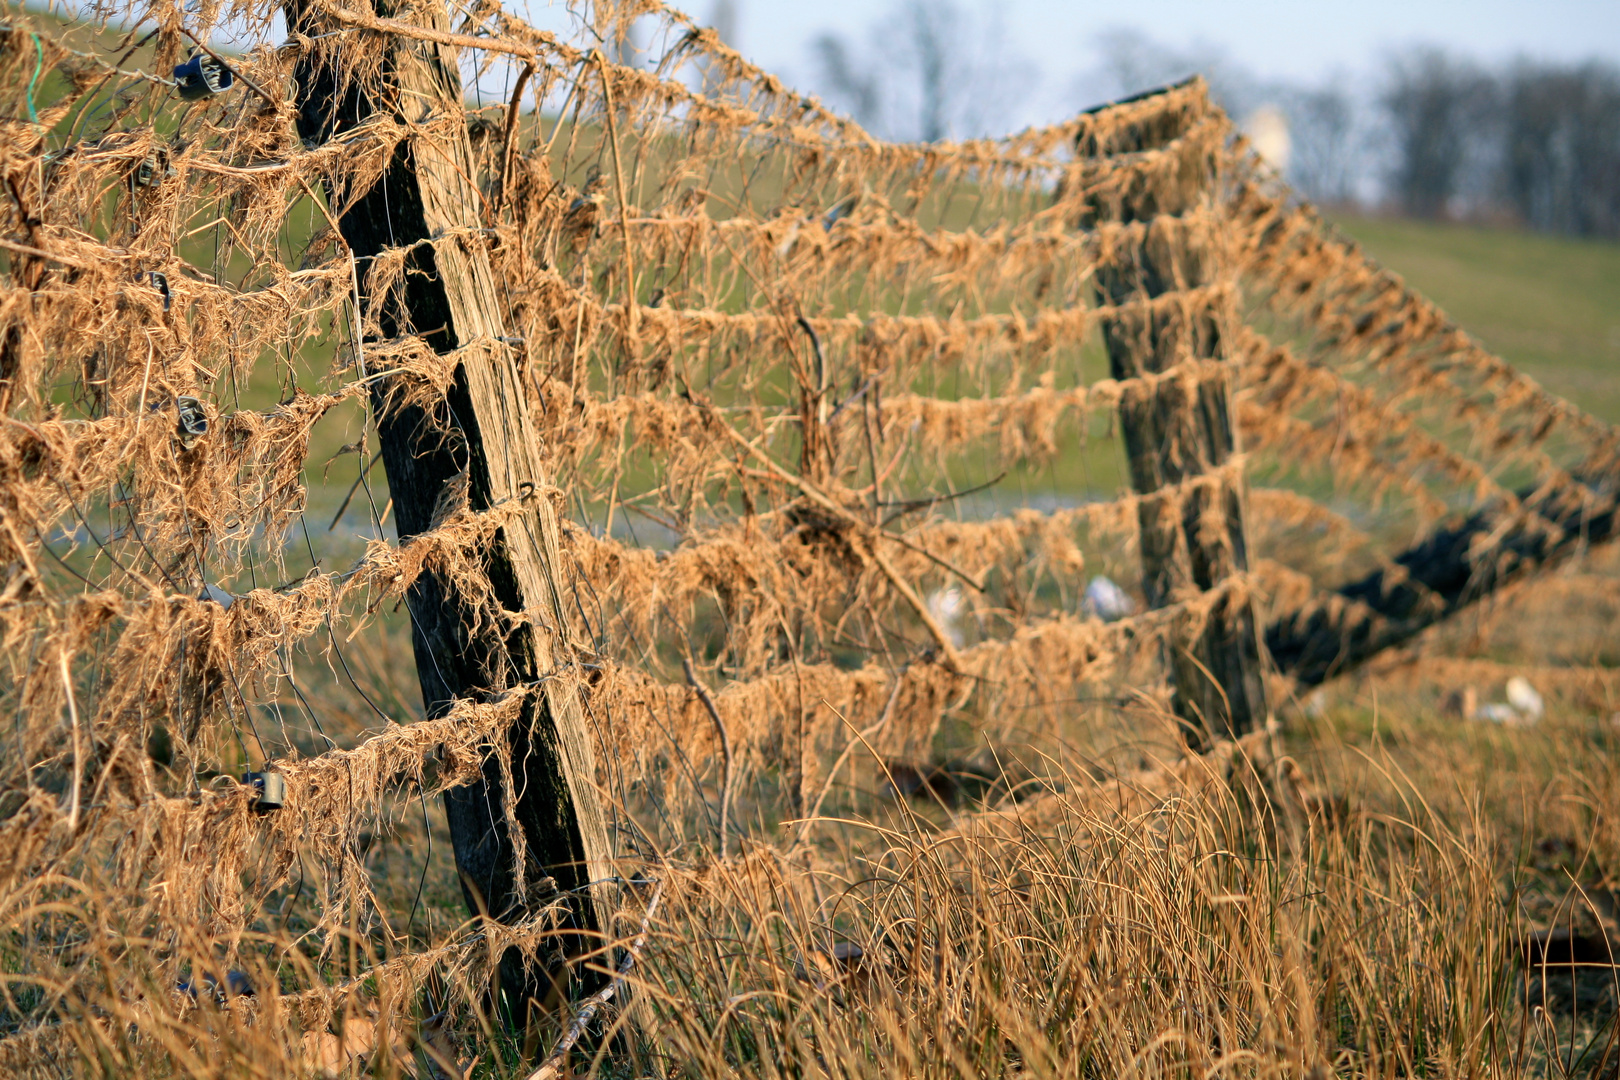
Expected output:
(1537, 139)
(1436, 135)
(928, 70)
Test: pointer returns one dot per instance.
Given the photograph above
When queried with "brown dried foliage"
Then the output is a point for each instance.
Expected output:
(785, 346)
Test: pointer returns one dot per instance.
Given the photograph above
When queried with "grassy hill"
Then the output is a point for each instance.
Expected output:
(1550, 305)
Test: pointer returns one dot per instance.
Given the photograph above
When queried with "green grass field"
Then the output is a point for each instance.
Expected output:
(1549, 305)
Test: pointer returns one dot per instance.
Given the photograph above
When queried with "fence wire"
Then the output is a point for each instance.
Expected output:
(827, 420)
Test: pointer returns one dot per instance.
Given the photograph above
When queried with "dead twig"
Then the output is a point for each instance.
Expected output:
(552, 1067)
(838, 763)
(725, 748)
(507, 141)
(354, 487)
(947, 648)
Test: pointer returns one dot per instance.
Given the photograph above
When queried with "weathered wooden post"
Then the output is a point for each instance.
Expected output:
(1453, 566)
(480, 439)
(1177, 429)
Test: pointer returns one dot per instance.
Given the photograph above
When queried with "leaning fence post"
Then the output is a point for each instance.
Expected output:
(479, 445)
(1166, 315)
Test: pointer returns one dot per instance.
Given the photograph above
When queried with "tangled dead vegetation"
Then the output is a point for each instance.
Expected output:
(792, 388)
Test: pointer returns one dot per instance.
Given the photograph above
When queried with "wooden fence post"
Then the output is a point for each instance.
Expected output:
(480, 440)
(1178, 430)
(1453, 566)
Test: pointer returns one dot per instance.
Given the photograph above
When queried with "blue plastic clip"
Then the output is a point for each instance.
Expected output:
(202, 76)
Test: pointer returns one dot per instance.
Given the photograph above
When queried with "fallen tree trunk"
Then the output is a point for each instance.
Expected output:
(1451, 568)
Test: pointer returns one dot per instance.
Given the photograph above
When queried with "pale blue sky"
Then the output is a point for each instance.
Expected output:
(1299, 41)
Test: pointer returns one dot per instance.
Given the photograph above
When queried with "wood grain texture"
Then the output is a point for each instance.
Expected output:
(482, 437)
(1176, 430)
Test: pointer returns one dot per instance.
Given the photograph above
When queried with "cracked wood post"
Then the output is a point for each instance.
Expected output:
(1178, 431)
(425, 200)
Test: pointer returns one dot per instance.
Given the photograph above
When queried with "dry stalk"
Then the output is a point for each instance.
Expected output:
(554, 1064)
(725, 749)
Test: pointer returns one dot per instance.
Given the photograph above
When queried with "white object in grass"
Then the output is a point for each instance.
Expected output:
(1107, 601)
(1499, 712)
(1525, 698)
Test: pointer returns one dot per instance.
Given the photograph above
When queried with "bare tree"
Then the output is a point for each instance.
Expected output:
(847, 82)
(1439, 109)
(930, 71)
(1323, 128)
(930, 40)
(723, 18)
(1130, 62)
(1323, 122)
(1561, 147)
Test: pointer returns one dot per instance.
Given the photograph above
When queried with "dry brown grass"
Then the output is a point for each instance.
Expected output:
(1359, 908)
(1348, 897)
(1359, 914)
